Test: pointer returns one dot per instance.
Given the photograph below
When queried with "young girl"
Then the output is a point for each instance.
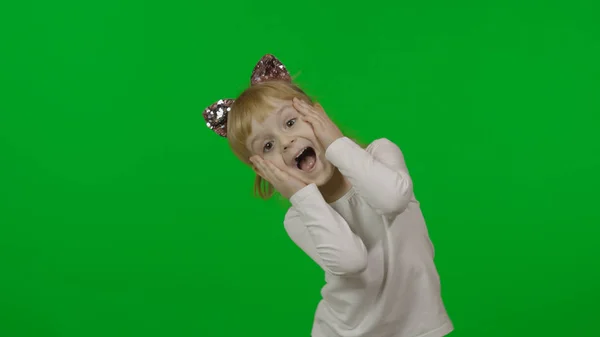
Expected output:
(353, 209)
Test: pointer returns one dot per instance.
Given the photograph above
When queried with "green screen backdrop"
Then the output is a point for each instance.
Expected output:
(121, 214)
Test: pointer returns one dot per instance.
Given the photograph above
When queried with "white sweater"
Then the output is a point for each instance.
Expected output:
(374, 247)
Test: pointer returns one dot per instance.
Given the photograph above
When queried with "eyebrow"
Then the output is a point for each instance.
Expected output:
(278, 112)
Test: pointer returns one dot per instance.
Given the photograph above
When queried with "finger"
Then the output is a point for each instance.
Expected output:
(315, 109)
(287, 172)
(254, 162)
(314, 113)
(273, 171)
(277, 172)
(260, 172)
(254, 159)
(319, 108)
(284, 173)
(312, 120)
(257, 170)
(320, 112)
(303, 107)
(296, 175)
(270, 165)
(257, 160)
(263, 169)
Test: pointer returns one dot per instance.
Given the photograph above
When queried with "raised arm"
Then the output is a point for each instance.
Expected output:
(379, 175)
(323, 234)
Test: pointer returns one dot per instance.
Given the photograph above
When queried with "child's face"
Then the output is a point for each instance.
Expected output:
(285, 140)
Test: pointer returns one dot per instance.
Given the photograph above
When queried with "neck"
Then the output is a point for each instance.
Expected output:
(335, 188)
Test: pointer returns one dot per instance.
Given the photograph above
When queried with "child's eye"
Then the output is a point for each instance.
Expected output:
(268, 146)
(291, 122)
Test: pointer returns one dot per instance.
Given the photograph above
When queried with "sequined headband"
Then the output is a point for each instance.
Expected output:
(269, 68)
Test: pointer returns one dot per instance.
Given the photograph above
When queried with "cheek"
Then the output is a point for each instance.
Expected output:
(306, 126)
(306, 130)
(274, 158)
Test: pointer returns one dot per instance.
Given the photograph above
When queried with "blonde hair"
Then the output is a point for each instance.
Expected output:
(255, 103)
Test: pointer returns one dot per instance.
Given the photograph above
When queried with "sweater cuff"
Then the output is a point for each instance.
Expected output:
(304, 193)
(339, 148)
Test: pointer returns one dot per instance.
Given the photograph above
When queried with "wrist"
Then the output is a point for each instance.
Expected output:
(303, 193)
(293, 191)
(336, 145)
(333, 140)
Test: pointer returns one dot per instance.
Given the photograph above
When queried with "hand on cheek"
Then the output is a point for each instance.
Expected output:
(325, 130)
(282, 178)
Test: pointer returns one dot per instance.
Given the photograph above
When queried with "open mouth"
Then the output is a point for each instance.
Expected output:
(306, 159)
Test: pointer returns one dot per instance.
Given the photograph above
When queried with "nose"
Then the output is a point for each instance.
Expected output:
(288, 143)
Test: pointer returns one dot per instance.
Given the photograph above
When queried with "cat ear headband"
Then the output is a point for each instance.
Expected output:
(269, 68)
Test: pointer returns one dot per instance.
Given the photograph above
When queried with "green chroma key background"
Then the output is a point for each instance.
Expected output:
(121, 214)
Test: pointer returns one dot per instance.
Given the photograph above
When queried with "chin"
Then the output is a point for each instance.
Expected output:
(324, 175)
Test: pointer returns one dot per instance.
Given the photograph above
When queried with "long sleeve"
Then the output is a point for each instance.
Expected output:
(378, 174)
(323, 234)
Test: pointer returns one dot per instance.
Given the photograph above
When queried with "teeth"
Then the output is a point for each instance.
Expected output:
(300, 154)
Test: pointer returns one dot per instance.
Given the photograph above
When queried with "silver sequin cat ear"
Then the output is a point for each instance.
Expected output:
(269, 68)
